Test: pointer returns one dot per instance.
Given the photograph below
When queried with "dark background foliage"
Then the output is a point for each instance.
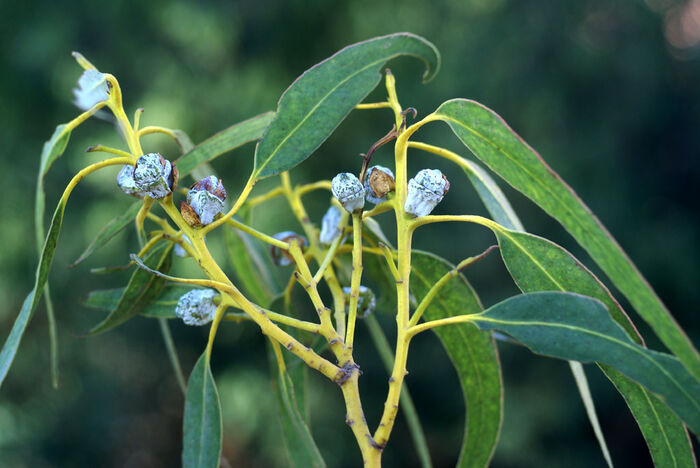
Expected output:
(607, 91)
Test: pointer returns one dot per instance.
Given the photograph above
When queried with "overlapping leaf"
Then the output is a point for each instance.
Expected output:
(492, 141)
(473, 353)
(162, 306)
(579, 328)
(315, 104)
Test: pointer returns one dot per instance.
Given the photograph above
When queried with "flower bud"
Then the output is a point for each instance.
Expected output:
(92, 89)
(282, 257)
(425, 191)
(329, 225)
(379, 182)
(348, 190)
(366, 301)
(206, 198)
(154, 175)
(125, 181)
(196, 307)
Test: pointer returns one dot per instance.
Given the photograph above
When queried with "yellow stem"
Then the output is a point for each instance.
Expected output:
(241, 199)
(107, 149)
(320, 185)
(255, 201)
(414, 330)
(156, 129)
(373, 105)
(356, 278)
(258, 235)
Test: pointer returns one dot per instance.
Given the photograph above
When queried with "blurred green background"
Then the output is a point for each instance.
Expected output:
(607, 91)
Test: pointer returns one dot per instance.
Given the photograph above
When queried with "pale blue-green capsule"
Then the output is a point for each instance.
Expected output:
(153, 175)
(366, 301)
(329, 225)
(425, 191)
(125, 181)
(197, 307)
(206, 197)
(346, 187)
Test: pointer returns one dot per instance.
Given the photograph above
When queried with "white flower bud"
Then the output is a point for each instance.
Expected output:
(329, 225)
(348, 190)
(196, 307)
(282, 257)
(125, 181)
(425, 191)
(206, 197)
(92, 89)
(366, 301)
(179, 250)
(379, 182)
(153, 175)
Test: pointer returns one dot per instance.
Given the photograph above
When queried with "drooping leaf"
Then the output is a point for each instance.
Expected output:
(579, 328)
(223, 142)
(472, 352)
(142, 288)
(183, 140)
(502, 150)
(111, 229)
(538, 264)
(290, 391)
(202, 426)
(162, 306)
(9, 349)
(315, 104)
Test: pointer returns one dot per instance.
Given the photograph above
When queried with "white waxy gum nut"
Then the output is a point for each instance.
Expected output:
(281, 257)
(346, 187)
(425, 191)
(379, 182)
(329, 225)
(125, 181)
(152, 175)
(206, 197)
(196, 307)
(366, 300)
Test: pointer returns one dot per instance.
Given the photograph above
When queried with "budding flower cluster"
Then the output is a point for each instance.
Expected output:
(153, 175)
(346, 187)
(366, 301)
(425, 191)
(205, 200)
(282, 257)
(196, 307)
(329, 225)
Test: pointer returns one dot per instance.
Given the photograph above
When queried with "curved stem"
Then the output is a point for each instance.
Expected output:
(356, 277)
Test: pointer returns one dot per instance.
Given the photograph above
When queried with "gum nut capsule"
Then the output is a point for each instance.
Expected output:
(196, 307)
(206, 197)
(425, 191)
(282, 257)
(379, 182)
(153, 175)
(329, 225)
(125, 181)
(92, 89)
(179, 250)
(346, 187)
(366, 301)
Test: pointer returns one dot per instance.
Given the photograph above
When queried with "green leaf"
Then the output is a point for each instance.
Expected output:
(502, 150)
(290, 392)
(202, 427)
(579, 328)
(9, 349)
(141, 289)
(111, 229)
(162, 306)
(223, 142)
(250, 267)
(537, 264)
(472, 352)
(315, 104)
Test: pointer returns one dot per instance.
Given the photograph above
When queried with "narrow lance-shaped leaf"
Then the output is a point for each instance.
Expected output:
(492, 141)
(162, 306)
(472, 352)
(579, 328)
(290, 391)
(111, 229)
(202, 426)
(315, 104)
(141, 289)
(537, 264)
(9, 349)
(223, 142)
